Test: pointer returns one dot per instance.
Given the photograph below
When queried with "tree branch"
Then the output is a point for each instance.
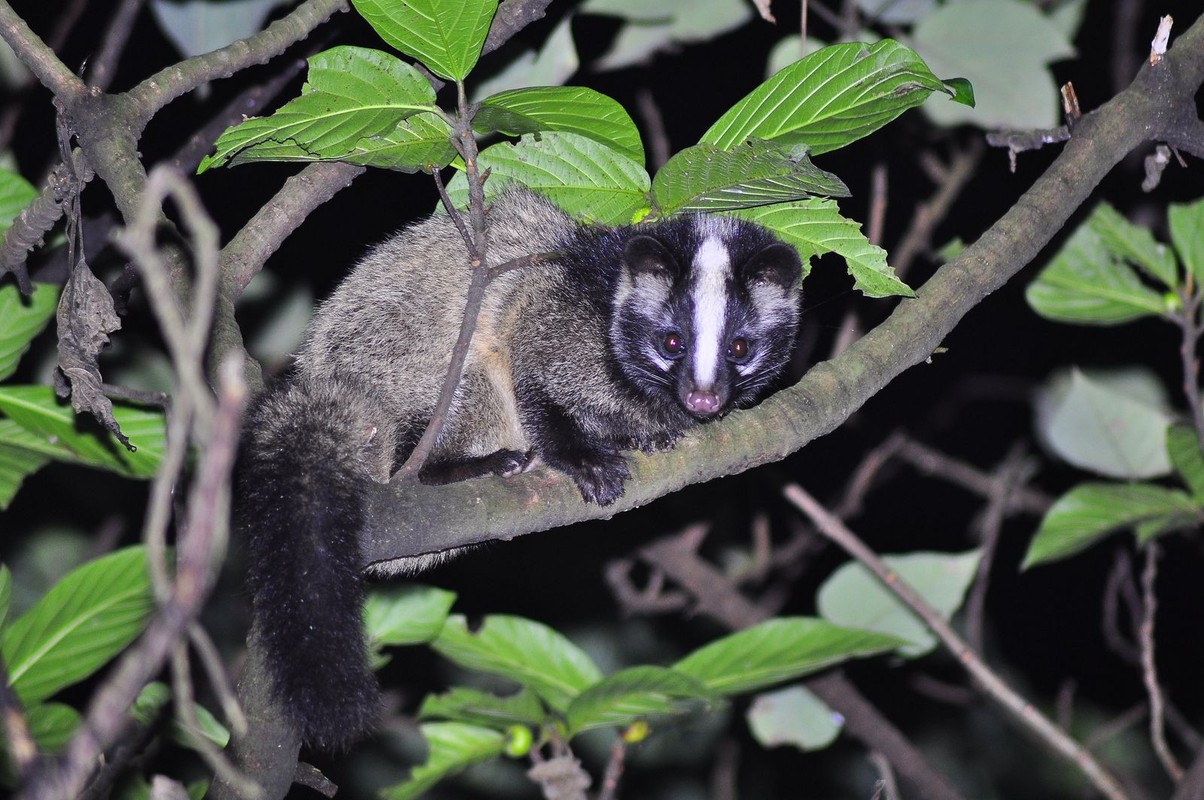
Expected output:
(40, 59)
(152, 94)
(406, 521)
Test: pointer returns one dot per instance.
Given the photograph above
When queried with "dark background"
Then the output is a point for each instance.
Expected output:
(971, 402)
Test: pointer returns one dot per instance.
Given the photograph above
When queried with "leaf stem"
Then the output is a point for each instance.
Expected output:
(1188, 320)
(475, 241)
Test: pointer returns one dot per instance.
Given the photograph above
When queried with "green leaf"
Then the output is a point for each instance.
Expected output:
(482, 708)
(453, 746)
(1186, 222)
(352, 94)
(793, 716)
(1134, 244)
(21, 319)
(410, 614)
(815, 227)
(1086, 283)
(962, 91)
(155, 696)
(829, 99)
(150, 702)
(50, 726)
(896, 12)
(422, 142)
(554, 63)
(15, 194)
(1183, 449)
(652, 27)
(754, 173)
(633, 694)
(6, 592)
(855, 598)
(20, 457)
(1110, 422)
(83, 621)
(778, 650)
(207, 728)
(446, 37)
(588, 180)
(1002, 47)
(38, 411)
(1090, 511)
(527, 652)
(573, 109)
(201, 26)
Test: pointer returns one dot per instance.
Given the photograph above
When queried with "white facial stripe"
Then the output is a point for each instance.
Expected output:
(712, 266)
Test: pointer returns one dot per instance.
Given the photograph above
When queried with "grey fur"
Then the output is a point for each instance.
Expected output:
(570, 365)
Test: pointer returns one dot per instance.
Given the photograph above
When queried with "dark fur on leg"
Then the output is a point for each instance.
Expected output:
(302, 475)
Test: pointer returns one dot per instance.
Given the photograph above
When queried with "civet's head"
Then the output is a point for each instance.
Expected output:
(706, 311)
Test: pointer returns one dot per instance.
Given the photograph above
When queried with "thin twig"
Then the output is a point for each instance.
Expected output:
(103, 68)
(211, 754)
(22, 749)
(1183, 729)
(1149, 671)
(654, 124)
(858, 487)
(1188, 320)
(995, 687)
(1009, 475)
(58, 37)
(186, 337)
(933, 462)
(201, 540)
(1118, 586)
(219, 681)
(245, 254)
(156, 91)
(876, 221)
(1103, 733)
(40, 59)
(614, 770)
(963, 165)
(476, 243)
(887, 783)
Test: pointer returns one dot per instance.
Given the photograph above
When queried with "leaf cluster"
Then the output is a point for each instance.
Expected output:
(86, 618)
(560, 692)
(557, 692)
(36, 426)
(1118, 424)
(581, 148)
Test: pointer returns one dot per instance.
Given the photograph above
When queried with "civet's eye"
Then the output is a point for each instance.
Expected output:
(738, 350)
(673, 344)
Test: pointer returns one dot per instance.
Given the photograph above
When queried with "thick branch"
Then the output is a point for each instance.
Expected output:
(406, 521)
(40, 59)
(166, 85)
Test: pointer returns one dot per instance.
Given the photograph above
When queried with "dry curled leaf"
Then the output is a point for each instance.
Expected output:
(85, 318)
(560, 778)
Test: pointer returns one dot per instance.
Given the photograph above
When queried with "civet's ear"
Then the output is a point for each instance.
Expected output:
(646, 255)
(777, 264)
